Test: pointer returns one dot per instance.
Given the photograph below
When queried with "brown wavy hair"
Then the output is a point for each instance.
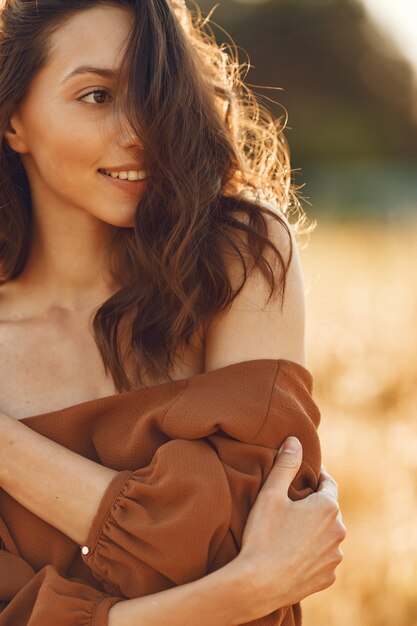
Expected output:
(219, 166)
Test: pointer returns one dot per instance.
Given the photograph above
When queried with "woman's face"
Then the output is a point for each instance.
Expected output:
(66, 129)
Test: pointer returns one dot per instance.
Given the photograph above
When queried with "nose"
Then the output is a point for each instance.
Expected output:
(127, 136)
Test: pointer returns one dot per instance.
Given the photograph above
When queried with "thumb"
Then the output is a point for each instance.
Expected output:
(287, 463)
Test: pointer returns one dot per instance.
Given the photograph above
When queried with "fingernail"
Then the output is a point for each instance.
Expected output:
(291, 445)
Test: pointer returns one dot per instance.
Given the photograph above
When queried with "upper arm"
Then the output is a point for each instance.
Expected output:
(251, 329)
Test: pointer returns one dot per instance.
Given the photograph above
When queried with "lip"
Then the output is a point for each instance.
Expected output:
(134, 187)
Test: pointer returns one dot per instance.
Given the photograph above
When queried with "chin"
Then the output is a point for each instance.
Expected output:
(118, 223)
(119, 219)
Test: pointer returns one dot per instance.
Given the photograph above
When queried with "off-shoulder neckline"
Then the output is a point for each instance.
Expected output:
(95, 402)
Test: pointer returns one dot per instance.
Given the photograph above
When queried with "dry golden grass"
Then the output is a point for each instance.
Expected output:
(361, 296)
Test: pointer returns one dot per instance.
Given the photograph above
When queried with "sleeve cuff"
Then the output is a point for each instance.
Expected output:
(101, 612)
(107, 501)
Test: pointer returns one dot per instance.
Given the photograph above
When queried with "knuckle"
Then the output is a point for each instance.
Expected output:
(327, 581)
(340, 518)
(338, 558)
(330, 505)
(341, 534)
(322, 585)
(330, 577)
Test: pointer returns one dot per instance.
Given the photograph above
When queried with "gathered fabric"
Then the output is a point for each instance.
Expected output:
(191, 456)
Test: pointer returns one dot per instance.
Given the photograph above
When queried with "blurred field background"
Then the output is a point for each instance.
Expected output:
(362, 339)
(347, 73)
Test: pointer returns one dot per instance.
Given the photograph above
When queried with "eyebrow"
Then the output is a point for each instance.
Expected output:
(91, 69)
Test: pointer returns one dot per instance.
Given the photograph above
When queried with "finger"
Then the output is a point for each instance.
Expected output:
(340, 519)
(324, 474)
(329, 486)
(324, 471)
(286, 465)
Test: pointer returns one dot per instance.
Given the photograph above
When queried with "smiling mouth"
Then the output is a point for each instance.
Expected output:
(128, 176)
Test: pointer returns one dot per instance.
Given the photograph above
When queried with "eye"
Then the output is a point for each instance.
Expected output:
(98, 96)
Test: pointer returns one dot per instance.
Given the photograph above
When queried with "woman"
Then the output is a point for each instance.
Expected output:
(127, 189)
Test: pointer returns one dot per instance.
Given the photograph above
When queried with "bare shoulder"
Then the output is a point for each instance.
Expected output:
(252, 328)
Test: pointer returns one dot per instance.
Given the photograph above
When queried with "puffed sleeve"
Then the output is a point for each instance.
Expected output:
(160, 526)
(48, 598)
(183, 515)
(166, 528)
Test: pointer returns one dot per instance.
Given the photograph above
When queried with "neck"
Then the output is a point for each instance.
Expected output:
(67, 264)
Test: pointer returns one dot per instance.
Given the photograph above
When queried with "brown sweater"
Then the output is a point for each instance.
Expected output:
(191, 456)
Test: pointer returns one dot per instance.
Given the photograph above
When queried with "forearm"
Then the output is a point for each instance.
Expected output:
(223, 598)
(56, 484)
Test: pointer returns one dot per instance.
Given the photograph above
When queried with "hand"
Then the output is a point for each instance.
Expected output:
(291, 549)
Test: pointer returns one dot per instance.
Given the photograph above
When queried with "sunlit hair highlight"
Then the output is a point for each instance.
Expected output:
(219, 173)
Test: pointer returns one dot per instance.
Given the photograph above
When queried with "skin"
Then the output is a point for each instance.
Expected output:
(63, 140)
(272, 569)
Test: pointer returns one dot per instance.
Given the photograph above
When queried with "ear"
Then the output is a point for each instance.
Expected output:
(15, 135)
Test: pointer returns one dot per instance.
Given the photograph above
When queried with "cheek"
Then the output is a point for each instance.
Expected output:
(65, 148)
(67, 153)
(62, 145)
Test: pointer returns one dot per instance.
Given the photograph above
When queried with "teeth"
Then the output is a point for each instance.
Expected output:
(130, 175)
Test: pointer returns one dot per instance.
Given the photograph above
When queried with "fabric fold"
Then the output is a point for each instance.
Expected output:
(49, 598)
(15, 573)
(193, 499)
(165, 525)
(191, 456)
